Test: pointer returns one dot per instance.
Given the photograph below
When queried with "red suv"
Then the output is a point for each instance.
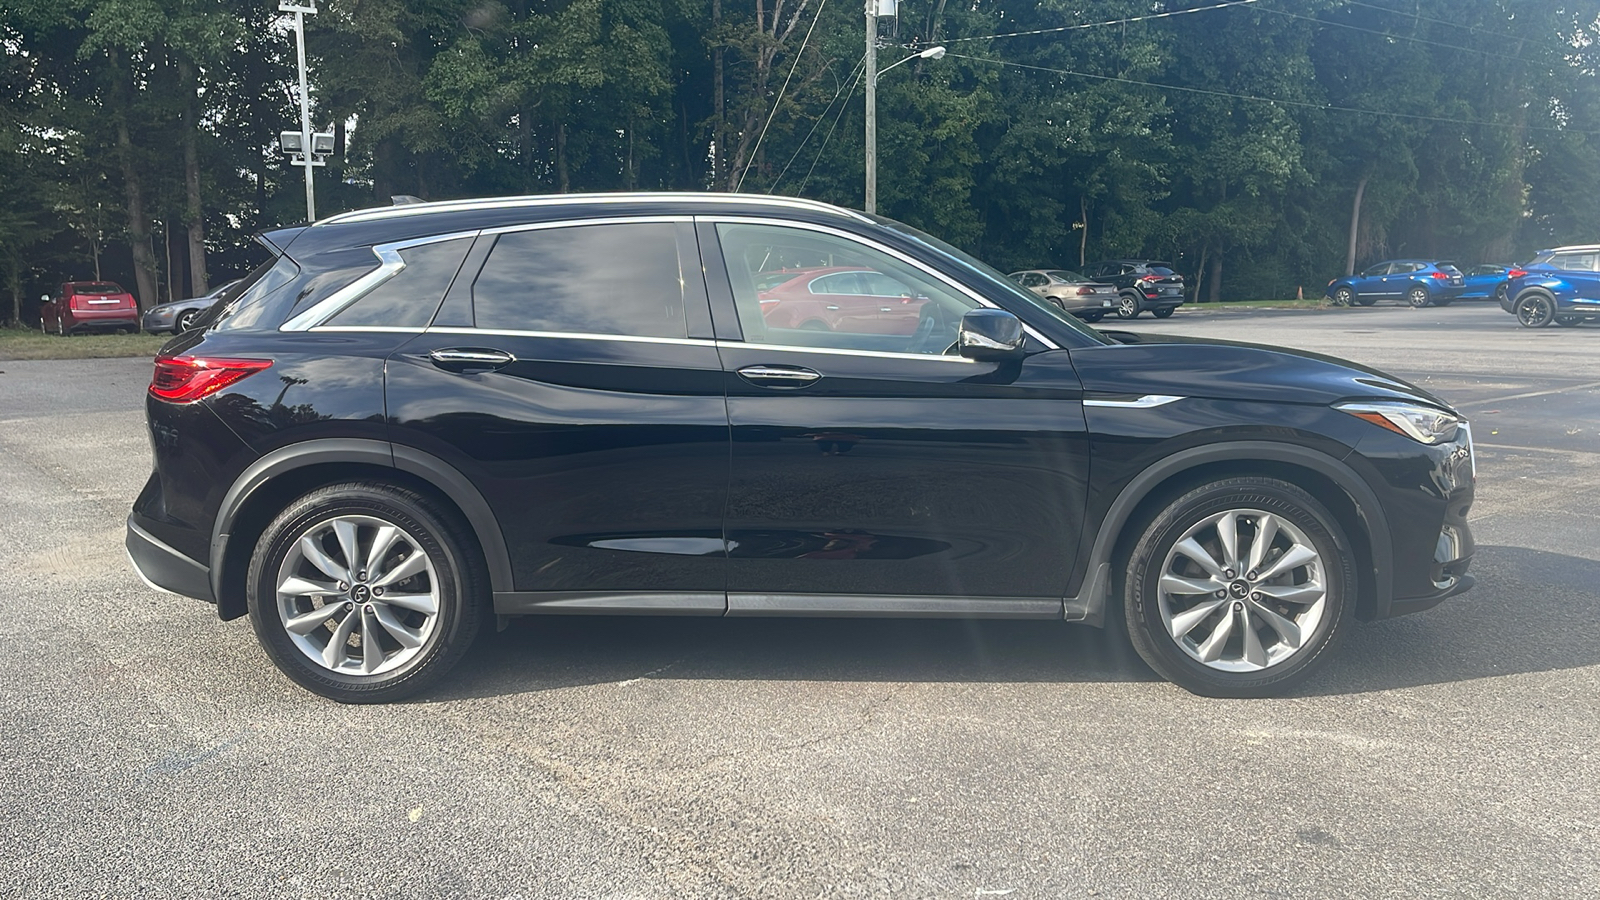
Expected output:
(89, 306)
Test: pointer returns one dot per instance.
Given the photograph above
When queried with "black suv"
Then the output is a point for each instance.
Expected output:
(414, 419)
(1142, 284)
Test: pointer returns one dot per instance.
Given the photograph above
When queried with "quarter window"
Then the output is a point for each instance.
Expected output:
(623, 279)
(412, 296)
(1576, 262)
(836, 293)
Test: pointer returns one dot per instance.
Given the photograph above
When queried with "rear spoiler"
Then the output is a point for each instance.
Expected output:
(278, 240)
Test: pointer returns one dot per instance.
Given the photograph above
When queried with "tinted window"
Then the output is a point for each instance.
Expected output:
(588, 279)
(99, 287)
(410, 298)
(260, 285)
(1160, 270)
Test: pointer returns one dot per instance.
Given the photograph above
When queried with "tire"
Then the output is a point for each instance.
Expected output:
(185, 320)
(1164, 312)
(1417, 297)
(1128, 307)
(1443, 301)
(1536, 309)
(61, 327)
(1500, 292)
(1344, 296)
(1296, 615)
(1366, 301)
(305, 545)
(1569, 321)
(1093, 317)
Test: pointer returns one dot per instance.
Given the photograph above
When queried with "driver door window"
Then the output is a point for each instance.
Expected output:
(799, 288)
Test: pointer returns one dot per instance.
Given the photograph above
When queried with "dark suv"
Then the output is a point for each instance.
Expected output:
(1142, 284)
(414, 419)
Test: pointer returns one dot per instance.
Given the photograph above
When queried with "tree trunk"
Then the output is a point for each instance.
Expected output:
(1214, 290)
(1200, 272)
(1083, 221)
(144, 259)
(194, 210)
(1355, 225)
(563, 181)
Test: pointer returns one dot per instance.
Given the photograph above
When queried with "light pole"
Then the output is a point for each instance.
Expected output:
(304, 147)
(874, 9)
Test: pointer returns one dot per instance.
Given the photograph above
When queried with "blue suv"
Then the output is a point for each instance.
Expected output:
(1419, 282)
(1560, 285)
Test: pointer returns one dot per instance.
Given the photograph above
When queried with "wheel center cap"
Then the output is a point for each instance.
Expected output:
(361, 593)
(1239, 588)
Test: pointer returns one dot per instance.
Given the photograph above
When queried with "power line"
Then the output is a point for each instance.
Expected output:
(848, 82)
(829, 136)
(1300, 103)
(1130, 19)
(1501, 35)
(1392, 35)
(815, 18)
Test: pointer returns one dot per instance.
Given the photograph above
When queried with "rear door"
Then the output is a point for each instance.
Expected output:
(875, 472)
(571, 376)
(1581, 270)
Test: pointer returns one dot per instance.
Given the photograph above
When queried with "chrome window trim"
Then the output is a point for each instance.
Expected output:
(539, 200)
(572, 335)
(389, 265)
(581, 223)
(379, 329)
(1148, 401)
(881, 354)
(903, 257)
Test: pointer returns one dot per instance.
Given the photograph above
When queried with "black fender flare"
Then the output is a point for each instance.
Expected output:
(1090, 603)
(445, 478)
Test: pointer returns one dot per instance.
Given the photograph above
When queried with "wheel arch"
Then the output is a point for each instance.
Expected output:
(1333, 483)
(272, 482)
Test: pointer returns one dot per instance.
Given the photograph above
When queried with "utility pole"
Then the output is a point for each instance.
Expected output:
(872, 106)
(302, 152)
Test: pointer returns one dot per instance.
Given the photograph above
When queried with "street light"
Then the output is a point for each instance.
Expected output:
(876, 8)
(297, 143)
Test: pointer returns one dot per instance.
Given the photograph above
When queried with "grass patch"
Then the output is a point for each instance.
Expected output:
(18, 343)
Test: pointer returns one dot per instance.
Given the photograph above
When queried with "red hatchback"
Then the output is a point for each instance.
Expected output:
(89, 306)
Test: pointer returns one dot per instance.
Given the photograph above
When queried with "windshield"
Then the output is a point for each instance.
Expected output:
(995, 278)
(1062, 275)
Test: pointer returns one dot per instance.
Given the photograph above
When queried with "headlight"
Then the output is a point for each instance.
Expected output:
(1427, 424)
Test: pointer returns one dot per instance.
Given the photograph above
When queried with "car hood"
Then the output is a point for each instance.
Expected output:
(1225, 370)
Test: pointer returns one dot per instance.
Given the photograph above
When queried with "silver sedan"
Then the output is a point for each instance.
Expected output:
(1088, 300)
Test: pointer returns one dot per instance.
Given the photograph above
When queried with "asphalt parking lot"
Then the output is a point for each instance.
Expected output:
(147, 749)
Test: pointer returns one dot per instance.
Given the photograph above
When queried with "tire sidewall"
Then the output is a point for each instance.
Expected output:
(1143, 616)
(1414, 293)
(459, 613)
(1127, 307)
(1536, 297)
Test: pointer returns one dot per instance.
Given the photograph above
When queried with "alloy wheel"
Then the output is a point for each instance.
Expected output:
(1417, 297)
(357, 595)
(1344, 297)
(1535, 311)
(1127, 308)
(1242, 590)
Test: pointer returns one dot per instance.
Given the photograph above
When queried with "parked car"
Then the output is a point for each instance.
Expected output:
(1484, 282)
(1142, 284)
(180, 315)
(1417, 281)
(1088, 300)
(577, 404)
(838, 298)
(88, 306)
(1561, 285)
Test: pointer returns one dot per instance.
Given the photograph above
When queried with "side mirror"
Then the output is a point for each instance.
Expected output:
(990, 335)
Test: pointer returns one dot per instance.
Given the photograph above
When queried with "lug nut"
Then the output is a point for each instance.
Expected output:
(361, 575)
(343, 586)
(1238, 607)
(1227, 573)
(1256, 597)
(1222, 594)
(349, 606)
(1251, 575)
(372, 609)
(377, 592)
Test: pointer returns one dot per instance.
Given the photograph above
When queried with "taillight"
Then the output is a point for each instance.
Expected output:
(185, 379)
(1151, 278)
(1085, 291)
(1439, 275)
(1516, 273)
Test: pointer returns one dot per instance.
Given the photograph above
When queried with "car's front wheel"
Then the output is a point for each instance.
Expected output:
(1418, 296)
(185, 321)
(1344, 297)
(1569, 321)
(1239, 588)
(1093, 317)
(366, 592)
(1127, 307)
(1536, 309)
(1164, 312)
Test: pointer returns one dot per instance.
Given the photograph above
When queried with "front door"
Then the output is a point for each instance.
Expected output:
(874, 472)
(574, 381)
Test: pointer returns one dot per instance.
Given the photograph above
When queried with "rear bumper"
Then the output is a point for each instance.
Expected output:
(87, 319)
(164, 568)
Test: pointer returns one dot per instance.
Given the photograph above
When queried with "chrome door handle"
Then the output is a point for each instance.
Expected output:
(779, 376)
(831, 307)
(885, 309)
(465, 359)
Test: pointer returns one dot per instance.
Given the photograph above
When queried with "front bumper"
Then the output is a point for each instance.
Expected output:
(164, 568)
(158, 320)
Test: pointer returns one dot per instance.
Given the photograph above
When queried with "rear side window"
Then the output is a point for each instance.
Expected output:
(622, 279)
(412, 296)
(246, 311)
(1577, 262)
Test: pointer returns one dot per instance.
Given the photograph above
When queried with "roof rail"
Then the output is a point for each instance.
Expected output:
(441, 206)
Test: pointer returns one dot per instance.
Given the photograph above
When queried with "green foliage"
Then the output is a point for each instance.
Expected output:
(1474, 125)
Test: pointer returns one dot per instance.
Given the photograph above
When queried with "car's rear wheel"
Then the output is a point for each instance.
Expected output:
(1536, 309)
(1444, 301)
(1127, 307)
(1500, 293)
(61, 327)
(185, 321)
(1570, 321)
(1343, 296)
(1093, 317)
(1239, 588)
(1418, 297)
(366, 592)
(1164, 312)
(1366, 301)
